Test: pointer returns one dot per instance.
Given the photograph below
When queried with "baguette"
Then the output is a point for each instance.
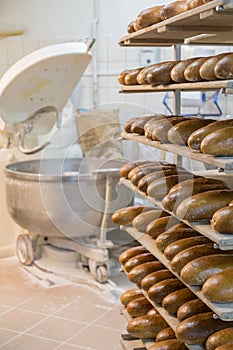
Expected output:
(142, 75)
(126, 168)
(170, 236)
(137, 274)
(195, 3)
(195, 139)
(152, 311)
(136, 26)
(182, 244)
(189, 187)
(128, 123)
(224, 68)
(160, 225)
(165, 334)
(191, 308)
(207, 68)
(203, 205)
(154, 166)
(149, 16)
(148, 170)
(174, 300)
(137, 126)
(219, 142)
(138, 307)
(219, 287)
(180, 132)
(129, 295)
(223, 337)
(191, 72)
(153, 125)
(147, 326)
(197, 329)
(197, 271)
(131, 76)
(174, 8)
(122, 75)
(155, 277)
(130, 28)
(222, 220)
(124, 216)
(131, 252)
(138, 260)
(189, 254)
(161, 289)
(153, 120)
(177, 72)
(161, 73)
(142, 220)
(170, 344)
(160, 132)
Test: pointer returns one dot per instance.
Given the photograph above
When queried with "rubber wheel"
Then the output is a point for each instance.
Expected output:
(101, 274)
(24, 250)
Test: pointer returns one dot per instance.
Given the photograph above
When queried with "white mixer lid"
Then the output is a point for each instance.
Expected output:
(45, 77)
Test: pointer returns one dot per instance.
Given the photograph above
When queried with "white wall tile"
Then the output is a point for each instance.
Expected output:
(115, 52)
(102, 67)
(14, 50)
(103, 82)
(133, 54)
(85, 98)
(103, 97)
(101, 46)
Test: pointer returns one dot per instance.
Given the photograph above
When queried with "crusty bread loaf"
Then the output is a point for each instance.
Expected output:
(155, 277)
(148, 170)
(187, 188)
(141, 221)
(147, 326)
(219, 287)
(174, 8)
(222, 220)
(158, 226)
(224, 347)
(131, 77)
(177, 72)
(150, 122)
(182, 244)
(202, 206)
(130, 27)
(137, 274)
(131, 252)
(219, 142)
(191, 308)
(161, 73)
(195, 3)
(153, 125)
(191, 72)
(136, 26)
(185, 256)
(207, 68)
(171, 235)
(174, 300)
(138, 307)
(165, 334)
(161, 289)
(197, 271)
(125, 216)
(122, 75)
(152, 311)
(197, 329)
(149, 16)
(160, 132)
(138, 168)
(170, 344)
(126, 168)
(195, 139)
(130, 294)
(137, 125)
(142, 75)
(224, 68)
(138, 260)
(180, 132)
(223, 337)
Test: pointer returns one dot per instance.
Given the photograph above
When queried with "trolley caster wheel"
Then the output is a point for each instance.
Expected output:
(24, 250)
(101, 274)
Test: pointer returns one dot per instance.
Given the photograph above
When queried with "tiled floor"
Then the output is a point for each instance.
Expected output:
(64, 316)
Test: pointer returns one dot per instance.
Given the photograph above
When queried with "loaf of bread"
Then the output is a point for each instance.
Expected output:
(224, 68)
(197, 271)
(155, 277)
(136, 26)
(122, 75)
(131, 76)
(160, 132)
(191, 308)
(148, 170)
(189, 254)
(195, 3)
(182, 244)
(203, 205)
(130, 28)
(137, 274)
(223, 337)
(222, 220)
(219, 142)
(224, 347)
(147, 326)
(174, 8)
(138, 124)
(197, 329)
(171, 235)
(138, 168)
(195, 139)
(142, 220)
(142, 75)
(189, 187)
(160, 74)
(219, 287)
(171, 344)
(125, 216)
(174, 300)
(138, 307)
(161, 289)
(158, 226)
(207, 68)
(152, 311)
(191, 72)
(153, 125)
(177, 72)
(131, 252)
(129, 295)
(138, 260)
(149, 16)
(126, 168)
(180, 132)
(150, 124)
(165, 334)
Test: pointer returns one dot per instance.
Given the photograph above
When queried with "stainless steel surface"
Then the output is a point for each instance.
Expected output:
(56, 197)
